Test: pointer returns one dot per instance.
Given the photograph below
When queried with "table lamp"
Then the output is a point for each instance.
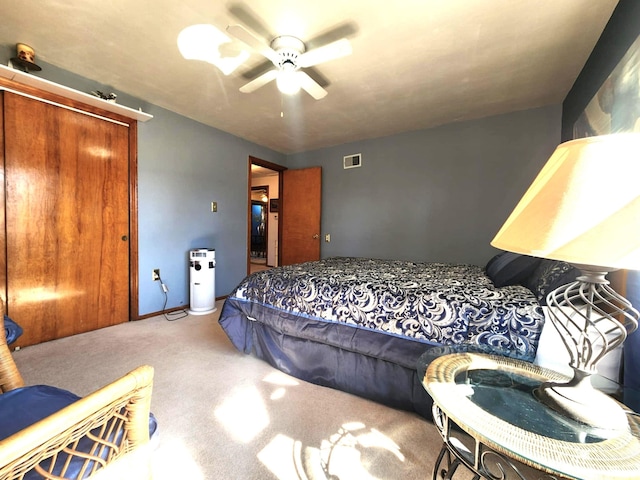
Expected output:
(584, 208)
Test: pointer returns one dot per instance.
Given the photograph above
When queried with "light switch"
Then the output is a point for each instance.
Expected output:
(214, 206)
(327, 237)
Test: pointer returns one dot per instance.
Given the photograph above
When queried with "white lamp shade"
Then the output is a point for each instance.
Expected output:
(583, 207)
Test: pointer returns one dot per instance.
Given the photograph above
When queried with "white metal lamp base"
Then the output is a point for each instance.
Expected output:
(578, 400)
(592, 319)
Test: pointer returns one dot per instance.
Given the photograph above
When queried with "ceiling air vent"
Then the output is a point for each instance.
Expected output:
(353, 161)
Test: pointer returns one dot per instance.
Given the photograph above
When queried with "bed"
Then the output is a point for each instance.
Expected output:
(361, 324)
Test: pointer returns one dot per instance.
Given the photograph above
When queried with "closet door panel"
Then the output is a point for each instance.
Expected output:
(67, 219)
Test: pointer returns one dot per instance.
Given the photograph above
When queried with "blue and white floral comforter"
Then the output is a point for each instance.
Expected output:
(431, 303)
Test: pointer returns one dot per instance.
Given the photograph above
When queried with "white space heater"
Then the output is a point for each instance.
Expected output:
(202, 278)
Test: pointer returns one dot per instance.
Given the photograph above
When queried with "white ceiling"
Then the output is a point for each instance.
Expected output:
(258, 171)
(415, 63)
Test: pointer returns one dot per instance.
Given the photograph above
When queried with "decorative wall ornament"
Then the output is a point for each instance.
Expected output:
(109, 97)
(615, 108)
(25, 58)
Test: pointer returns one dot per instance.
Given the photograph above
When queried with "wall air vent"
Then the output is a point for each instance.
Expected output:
(353, 161)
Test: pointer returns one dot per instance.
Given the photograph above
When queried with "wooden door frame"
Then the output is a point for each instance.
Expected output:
(133, 185)
(272, 166)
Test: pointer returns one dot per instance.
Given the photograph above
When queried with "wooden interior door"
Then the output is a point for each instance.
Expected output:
(67, 219)
(300, 204)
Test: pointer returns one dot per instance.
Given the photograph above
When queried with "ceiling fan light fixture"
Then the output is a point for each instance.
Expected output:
(289, 56)
(202, 42)
(288, 82)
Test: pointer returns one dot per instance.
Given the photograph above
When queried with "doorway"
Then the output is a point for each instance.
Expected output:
(259, 224)
(294, 206)
(263, 223)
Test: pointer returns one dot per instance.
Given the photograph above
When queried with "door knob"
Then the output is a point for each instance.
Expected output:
(316, 236)
(124, 238)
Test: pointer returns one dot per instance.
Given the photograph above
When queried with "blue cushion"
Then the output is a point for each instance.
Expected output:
(25, 406)
(508, 268)
(22, 407)
(11, 330)
(548, 276)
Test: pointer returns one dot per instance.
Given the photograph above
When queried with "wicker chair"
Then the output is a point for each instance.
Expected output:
(114, 421)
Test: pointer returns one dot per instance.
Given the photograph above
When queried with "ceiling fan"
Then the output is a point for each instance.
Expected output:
(289, 56)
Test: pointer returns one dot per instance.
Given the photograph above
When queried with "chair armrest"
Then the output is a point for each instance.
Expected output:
(113, 420)
(10, 377)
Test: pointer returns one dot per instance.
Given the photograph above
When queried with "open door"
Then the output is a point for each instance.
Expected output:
(300, 204)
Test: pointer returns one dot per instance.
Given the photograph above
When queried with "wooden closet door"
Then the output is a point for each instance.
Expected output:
(67, 219)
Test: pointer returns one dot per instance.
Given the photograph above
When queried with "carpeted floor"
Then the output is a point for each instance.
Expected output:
(226, 415)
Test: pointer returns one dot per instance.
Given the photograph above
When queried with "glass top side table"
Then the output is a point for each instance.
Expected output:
(513, 435)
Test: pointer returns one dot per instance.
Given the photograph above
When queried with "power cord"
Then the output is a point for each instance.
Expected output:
(171, 316)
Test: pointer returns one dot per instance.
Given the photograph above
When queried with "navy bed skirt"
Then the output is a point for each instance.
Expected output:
(387, 373)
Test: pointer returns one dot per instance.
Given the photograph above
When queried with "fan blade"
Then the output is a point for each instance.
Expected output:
(261, 81)
(310, 86)
(251, 21)
(344, 30)
(331, 51)
(258, 70)
(318, 77)
(258, 44)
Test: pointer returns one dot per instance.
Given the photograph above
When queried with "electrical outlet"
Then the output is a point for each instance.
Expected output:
(156, 274)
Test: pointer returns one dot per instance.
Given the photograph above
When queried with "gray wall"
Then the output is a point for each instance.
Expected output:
(433, 195)
(183, 166)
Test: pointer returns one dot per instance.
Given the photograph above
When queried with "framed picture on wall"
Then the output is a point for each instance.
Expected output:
(615, 108)
(274, 203)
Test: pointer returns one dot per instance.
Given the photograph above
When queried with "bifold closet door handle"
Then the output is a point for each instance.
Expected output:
(124, 238)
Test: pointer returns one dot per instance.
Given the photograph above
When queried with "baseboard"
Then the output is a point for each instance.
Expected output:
(169, 310)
